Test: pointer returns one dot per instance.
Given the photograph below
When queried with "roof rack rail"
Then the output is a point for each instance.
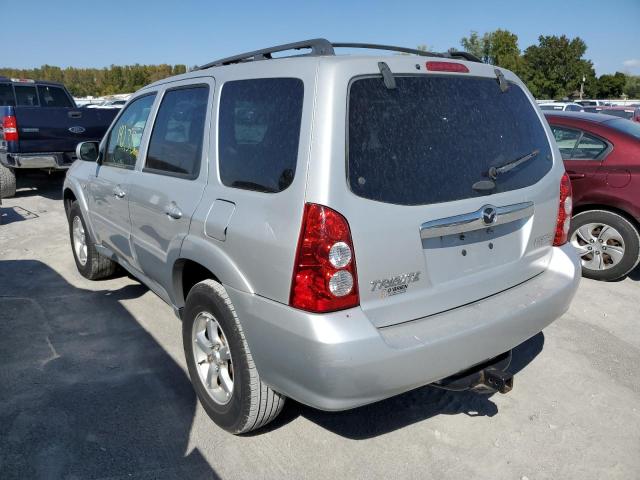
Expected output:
(322, 46)
(318, 46)
(391, 48)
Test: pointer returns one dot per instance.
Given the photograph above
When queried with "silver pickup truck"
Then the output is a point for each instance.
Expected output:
(333, 229)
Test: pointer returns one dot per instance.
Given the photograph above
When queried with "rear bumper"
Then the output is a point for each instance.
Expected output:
(49, 160)
(340, 360)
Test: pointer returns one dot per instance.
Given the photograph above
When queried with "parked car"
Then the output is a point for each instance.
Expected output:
(40, 127)
(561, 106)
(629, 112)
(244, 193)
(602, 157)
(592, 103)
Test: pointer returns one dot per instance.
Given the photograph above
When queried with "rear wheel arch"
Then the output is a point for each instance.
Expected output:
(608, 208)
(186, 274)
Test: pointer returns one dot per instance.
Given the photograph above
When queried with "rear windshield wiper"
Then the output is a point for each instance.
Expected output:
(506, 167)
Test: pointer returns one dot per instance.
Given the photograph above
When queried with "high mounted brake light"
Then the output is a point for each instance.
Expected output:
(324, 273)
(565, 207)
(447, 67)
(10, 128)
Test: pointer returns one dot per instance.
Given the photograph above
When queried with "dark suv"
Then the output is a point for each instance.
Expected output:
(601, 154)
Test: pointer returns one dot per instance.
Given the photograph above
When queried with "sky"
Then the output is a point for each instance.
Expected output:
(90, 33)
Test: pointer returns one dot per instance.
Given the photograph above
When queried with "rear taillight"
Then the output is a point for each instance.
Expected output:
(447, 67)
(564, 212)
(10, 128)
(324, 273)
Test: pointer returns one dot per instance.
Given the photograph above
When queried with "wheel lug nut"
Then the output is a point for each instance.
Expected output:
(589, 248)
(591, 241)
(597, 253)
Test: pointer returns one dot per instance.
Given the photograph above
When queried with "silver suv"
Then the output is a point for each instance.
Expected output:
(334, 229)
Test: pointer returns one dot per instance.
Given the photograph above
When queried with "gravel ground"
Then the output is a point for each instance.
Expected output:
(93, 384)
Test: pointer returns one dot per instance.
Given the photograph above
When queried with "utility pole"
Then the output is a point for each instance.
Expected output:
(584, 79)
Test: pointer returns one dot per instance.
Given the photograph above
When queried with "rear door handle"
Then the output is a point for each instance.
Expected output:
(575, 175)
(118, 192)
(172, 210)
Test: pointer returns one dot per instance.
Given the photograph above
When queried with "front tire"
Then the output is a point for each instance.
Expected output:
(220, 364)
(7, 182)
(608, 244)
(89, 262)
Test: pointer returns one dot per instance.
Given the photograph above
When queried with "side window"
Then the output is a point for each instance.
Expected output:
(125, 136)
(589, 148)
(26, 96)
(6, 95)
(176, 140)
(259, 132)
(566, 140)
(53, 97)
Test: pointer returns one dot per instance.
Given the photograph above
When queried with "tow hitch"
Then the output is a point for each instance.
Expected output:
(488, 377)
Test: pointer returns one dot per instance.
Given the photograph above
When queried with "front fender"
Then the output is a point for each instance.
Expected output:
(74, 184)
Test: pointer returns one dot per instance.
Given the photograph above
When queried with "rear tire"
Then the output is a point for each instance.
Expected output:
(246, 403)
(89, 262)
(608, 244)
(7, 182)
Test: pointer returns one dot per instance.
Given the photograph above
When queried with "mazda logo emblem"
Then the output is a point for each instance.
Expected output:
(489, 215)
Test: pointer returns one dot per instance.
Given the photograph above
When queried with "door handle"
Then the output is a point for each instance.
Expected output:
(118, 192)
(575, 175)
(172, 210)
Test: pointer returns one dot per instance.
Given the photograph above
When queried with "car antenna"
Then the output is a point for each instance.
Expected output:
(387, 76)
(504, 86)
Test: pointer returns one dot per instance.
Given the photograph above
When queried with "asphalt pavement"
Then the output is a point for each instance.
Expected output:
(93, 384)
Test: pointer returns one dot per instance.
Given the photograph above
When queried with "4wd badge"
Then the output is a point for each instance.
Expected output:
(394, 285)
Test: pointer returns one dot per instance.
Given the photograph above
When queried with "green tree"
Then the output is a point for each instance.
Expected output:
(632, 86)
(499, 47)
(554, 68)
(611, 86)
(476, 45)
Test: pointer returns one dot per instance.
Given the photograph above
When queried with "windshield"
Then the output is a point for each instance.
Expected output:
(625, 126)
(431, 138)
(618, 113)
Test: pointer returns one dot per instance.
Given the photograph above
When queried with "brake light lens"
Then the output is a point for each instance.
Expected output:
(447, 67)
(10, 128)
(324, 273)
(563, 221)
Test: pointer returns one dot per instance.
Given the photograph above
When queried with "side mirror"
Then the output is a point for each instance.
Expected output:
(88, 151)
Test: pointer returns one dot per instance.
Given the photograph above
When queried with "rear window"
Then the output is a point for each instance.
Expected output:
(430, 139)
(259, 132)
(625, 126)
(53, 97)
(6, 95)
(551, 107)
(26, 96)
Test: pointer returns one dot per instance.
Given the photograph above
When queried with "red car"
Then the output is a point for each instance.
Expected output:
(601, 154)
(631, 112)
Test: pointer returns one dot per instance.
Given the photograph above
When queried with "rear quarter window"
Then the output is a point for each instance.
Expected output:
(431, 138)
(259, 133)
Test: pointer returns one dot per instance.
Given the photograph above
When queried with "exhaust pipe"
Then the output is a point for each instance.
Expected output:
(488, 377)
